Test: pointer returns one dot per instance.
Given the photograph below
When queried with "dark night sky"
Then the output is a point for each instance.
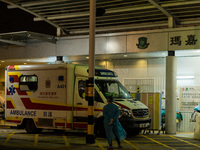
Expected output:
(13, 20)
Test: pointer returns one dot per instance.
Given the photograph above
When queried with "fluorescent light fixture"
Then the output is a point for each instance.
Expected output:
(185, 77)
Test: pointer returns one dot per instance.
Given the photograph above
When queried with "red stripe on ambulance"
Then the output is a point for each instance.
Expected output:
(14, 121)
(123, 106)
(8, 93)
(9, 105)
(16, 78)
(21, 92)
(38, 106)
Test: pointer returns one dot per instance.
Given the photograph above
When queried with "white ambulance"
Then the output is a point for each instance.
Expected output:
(52, 97)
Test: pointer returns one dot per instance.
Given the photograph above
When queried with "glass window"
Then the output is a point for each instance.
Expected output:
(97, 97)
(28, 83)
(112, 88)
(81, 87)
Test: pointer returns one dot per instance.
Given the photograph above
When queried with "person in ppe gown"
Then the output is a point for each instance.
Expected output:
(113, 128)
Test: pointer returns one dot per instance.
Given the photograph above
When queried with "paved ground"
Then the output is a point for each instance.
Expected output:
(19, 140)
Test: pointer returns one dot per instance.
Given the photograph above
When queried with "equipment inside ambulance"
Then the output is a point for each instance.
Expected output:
(53, 97)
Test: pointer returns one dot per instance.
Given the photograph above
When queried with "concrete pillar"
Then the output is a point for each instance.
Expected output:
(170, 107)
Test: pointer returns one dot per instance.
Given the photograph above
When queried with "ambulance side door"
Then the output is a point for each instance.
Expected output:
(80, 104)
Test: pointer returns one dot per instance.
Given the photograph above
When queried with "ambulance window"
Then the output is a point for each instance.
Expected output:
(81, 88)
(28, 83)
(97, 97)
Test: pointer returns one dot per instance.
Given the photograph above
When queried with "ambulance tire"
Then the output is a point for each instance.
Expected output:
(99, 128)
(31, 128)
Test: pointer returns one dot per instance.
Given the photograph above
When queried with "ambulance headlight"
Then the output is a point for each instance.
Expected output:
(125, 112)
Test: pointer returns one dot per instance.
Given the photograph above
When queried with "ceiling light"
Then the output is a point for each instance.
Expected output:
(87, 57)
(185, 77)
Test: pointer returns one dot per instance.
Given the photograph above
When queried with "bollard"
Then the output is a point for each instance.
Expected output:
(90, 138)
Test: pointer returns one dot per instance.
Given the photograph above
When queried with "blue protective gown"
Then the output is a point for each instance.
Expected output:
(114, 130)
(197, 108)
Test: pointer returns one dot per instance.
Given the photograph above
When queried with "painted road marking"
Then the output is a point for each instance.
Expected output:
(185, 141)
(131, 144)
(99, 145)
(66, 141)
(159, 142)
(36, 140)
(9, 137)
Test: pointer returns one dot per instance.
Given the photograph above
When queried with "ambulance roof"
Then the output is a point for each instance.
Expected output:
(38, 67)
(99, 71)
(80, 70)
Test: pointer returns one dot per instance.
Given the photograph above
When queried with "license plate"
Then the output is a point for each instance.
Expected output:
(143, 125)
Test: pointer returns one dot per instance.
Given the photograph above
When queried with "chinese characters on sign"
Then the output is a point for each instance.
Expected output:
(191, 40)
(189, 97)
(175, 40)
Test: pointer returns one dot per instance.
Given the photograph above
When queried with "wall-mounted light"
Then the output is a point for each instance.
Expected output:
(185, 77)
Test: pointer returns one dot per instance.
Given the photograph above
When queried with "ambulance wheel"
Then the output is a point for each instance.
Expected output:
(30, 127)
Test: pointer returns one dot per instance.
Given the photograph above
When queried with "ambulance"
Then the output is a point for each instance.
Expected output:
(53, 97)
